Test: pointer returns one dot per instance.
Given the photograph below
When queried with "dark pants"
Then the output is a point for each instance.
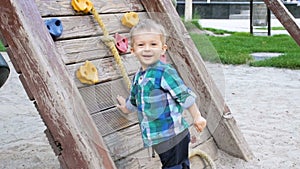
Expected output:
(174, 153)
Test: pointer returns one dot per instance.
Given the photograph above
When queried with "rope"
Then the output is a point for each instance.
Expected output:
(110, 42)
(203, 155)
(106, 39)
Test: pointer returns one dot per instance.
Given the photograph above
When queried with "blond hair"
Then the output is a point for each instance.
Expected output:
(148, 25)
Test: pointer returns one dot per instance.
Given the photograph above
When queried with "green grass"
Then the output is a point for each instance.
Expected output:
(2, 48)
(272, 28)
(236, 49)
(218, 31)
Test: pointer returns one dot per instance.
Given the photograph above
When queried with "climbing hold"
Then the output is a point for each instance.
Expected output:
(4, 71)
(84, 6)
(121, 43)
(87, 73)
(55, 27)
(130, 19)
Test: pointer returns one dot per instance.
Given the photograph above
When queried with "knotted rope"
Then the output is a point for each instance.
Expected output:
(110, 42)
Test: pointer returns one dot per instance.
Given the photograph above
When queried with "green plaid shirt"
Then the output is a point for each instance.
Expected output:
(159, 96)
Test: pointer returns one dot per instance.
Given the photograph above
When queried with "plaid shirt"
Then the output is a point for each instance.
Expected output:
(159, 96)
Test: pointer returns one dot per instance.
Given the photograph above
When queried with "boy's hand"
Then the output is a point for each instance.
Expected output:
(199, 123)
(122, 104)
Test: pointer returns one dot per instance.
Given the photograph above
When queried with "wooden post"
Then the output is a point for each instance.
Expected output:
(188, 10)
(44, 76)
(285, 17)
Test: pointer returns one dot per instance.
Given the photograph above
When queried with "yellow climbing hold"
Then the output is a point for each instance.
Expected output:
(84, 6)
(87, 73)
(130, 19)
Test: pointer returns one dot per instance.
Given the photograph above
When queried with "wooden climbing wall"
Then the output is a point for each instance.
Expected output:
(63, 101)
(81, 41)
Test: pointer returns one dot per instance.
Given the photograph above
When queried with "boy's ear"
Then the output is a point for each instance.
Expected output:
(131, 50)
(165, 47)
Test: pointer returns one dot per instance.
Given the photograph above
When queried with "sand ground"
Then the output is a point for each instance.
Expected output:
(264, 102)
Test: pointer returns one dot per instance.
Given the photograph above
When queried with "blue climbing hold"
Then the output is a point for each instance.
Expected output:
(55, 27)
(4, 71)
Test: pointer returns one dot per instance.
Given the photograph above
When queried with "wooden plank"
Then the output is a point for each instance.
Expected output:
(58, 100)
(191, 67)
(13, 61)
(112, 120)
(103, 96)
(129, 140)
(124, 142)
(63, 7)
(140, 160)
(210, 148)
(81, 49)
(232, 143)
(86, 26)
(285, 18)
(143, 160)
(122, 134)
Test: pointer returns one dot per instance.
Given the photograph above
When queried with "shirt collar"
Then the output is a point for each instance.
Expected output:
(151, 66)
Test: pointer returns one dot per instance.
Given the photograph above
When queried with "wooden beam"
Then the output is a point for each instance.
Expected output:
(191, 67)
(285, 17)
(31, 48)
(86, 26)
(63, 7)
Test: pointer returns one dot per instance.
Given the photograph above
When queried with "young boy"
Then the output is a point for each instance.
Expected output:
(159, 96)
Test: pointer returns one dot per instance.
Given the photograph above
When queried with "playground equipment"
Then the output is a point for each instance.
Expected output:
(84, 127)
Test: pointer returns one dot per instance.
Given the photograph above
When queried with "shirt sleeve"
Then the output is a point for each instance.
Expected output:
(130, 106)
(172, 83)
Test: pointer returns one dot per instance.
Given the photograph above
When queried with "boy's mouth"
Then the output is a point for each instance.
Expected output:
(147, 56)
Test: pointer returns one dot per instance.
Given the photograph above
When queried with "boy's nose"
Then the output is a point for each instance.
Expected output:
(147, 47)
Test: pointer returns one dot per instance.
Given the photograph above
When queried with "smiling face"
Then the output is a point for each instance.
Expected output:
(148, 39)
(148, 47)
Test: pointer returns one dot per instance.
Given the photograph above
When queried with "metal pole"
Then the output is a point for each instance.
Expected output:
(251, 17)
(269, 21)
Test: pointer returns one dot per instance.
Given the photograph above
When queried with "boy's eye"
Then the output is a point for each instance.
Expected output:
(140, 44)
(153, 44)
